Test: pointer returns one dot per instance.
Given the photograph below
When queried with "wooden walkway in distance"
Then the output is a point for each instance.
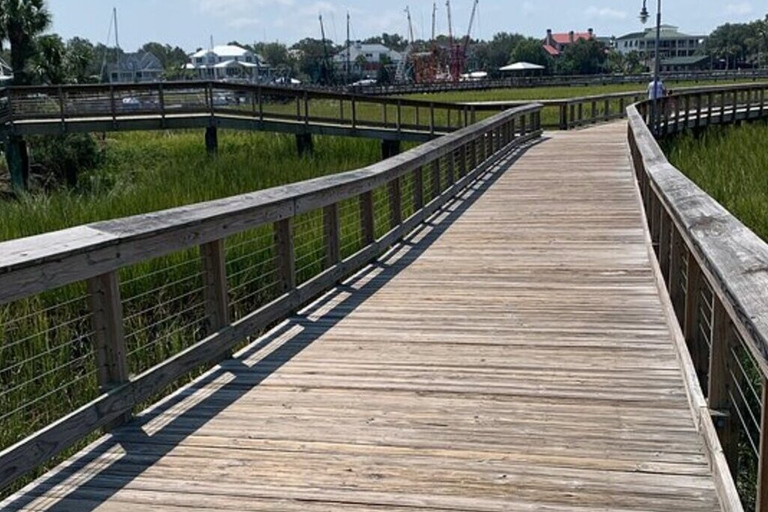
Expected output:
(514, 355)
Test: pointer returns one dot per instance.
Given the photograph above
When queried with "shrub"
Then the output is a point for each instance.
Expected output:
(61, 158)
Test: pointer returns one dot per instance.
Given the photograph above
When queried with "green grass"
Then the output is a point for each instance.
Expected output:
(731, 165)
(150, 171)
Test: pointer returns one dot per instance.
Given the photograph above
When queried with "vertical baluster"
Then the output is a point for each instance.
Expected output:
(436, 178)
(665, 241)
(762, 472)
(395, 203)
(717, 394)
(692, 306)
(367, 221)
(109, 335)
(418, 188)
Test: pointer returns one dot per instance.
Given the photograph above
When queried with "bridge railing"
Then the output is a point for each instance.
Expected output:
(97, 320)
(716, 271)
(558, 81)
(168, 100)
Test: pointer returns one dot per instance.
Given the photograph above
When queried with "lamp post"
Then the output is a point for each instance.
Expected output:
(644, 17)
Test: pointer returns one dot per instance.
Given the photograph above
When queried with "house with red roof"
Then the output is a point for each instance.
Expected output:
(555, 43)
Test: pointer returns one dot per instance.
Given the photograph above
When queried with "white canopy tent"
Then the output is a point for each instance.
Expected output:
(521, 67)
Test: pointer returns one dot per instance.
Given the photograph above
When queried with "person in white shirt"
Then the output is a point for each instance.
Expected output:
(656, 90)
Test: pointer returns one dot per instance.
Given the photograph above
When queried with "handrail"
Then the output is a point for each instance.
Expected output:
(555, 81)
(374, 207)
(716, 271)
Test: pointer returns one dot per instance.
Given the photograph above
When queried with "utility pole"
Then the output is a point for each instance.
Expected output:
(349, 50)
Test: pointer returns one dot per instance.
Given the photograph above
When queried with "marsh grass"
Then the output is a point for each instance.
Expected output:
(731, 165)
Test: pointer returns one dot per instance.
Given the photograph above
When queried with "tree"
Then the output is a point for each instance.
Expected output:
(731, 43)
(48, 65)
(584, 57)
(531, 50)
(276, 55)
(20, 22)
(314, 59)
(80, 60)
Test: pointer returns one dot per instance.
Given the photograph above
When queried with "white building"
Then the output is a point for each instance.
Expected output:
(231, 63)
(365, 58)
(673, 43)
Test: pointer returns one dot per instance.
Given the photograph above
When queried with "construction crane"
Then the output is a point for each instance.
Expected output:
(402, 73)
(459, 51)
(434, 21)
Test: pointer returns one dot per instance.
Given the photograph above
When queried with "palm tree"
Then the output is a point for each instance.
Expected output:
(20, 22)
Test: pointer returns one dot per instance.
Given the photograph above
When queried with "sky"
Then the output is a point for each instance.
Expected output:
(190, 24)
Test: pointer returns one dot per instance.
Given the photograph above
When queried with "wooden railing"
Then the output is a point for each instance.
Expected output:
(99, 319)
(559, 81)
(163, 105)
(716, 272)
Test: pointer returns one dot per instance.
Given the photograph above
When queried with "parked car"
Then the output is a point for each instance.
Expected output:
(131, 103)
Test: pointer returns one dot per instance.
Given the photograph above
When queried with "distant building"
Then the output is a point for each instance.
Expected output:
(555, 43)
(136, 68)
(677, 48)
(228, 63)
(366, 58)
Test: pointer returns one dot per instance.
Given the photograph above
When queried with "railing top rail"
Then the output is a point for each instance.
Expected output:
(312, 93)
(35, 264)
(733, 257)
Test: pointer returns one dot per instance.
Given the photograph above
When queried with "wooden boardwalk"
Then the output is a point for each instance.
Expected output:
(514, 355)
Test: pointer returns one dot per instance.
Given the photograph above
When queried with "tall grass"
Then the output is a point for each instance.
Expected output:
(731, 165)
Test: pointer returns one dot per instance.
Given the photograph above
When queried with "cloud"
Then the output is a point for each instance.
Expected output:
(528, 8)
(739, 9)
(606, 13)
(232, 8)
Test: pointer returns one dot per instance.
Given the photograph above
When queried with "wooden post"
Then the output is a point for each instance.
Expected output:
(216, 288)
(306, 107)
(698, 109)
(399, 116)
(431, 118)
(261, 105)
(687, 102)
(112, 105)
(581, 113)
(62, 112)
(622, 107)
(665, 242)
(332, 232)
(418, 188)
(655, 220)
(367, 218)
(354, 113)
(436, 178)
(395, 203)
(762, 101)
(286, 255)
(692, 302)
(676, 254)
(161, 95)
(594, 111)
(572, 116)
(719, 402)
(109, 335)
(522, 125)
(451, 168)
(564, 116)
(607, 110)
(711, 106)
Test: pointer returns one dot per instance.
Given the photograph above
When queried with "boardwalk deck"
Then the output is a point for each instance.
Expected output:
(513, 355)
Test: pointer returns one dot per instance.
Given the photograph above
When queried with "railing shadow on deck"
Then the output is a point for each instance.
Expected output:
(111, 464)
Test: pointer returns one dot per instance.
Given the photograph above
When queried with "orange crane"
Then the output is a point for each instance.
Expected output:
(459, 51)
